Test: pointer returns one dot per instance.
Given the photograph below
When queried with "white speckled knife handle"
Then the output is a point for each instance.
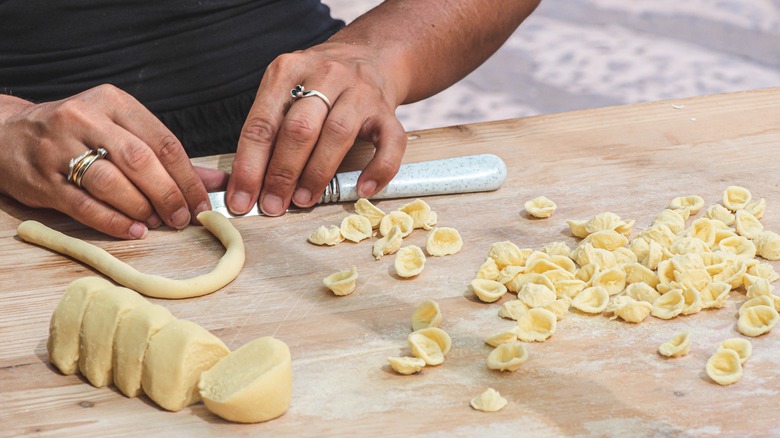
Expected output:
(474, 173)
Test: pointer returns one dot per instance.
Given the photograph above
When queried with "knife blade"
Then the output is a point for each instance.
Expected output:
(469, 174)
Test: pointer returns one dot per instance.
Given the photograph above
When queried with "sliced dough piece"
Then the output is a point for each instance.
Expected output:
(175, 358)
(443, 241)
(65, 324)
(251, 384)
(489, 401)
(427, 314)
(679, 345)
(409, 261)
(356, 228)
(724, 367)
(150, 285)
(536, 325)
(342, 283)
(132, 336)
(507, 357)
(388, 244)
(420, 212)
(364, 207)
(101, 320)
(430, 344)
(326, 235)
(406, 365)
(742, 347)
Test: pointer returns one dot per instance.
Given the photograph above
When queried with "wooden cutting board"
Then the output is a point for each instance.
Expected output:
(593, 377)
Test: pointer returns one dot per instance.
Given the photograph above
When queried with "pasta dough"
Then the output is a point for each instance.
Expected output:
(502, 337)
(591, 300)
(251, 384)
(443, 241)
(175, 358)
(420, 212)
(507, 357)
(430, 344)
(724, 367)
(489, 401)
(757, 320)
(679, 345)
(488, 291)
(742, 347)
(409, 261)
(427, 314)
(388, 244)
(326, 236)
(406, 365)
(150, 285)
(536, 325)
(397, 219)
(540, 207)
(65, 325)
(364, 207)
(356, 228)
(342, 283)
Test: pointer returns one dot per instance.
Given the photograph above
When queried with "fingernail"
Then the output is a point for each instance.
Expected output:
(367, 189)
(181, 218)
(239, 202)
(153, 221)
(302, 197)
(203, 206)
(138, 230)
(272, 205)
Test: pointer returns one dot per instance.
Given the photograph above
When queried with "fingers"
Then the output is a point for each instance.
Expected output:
(93, 213)
(389, 138)
(214, 180)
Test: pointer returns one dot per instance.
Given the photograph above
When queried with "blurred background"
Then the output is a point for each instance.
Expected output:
(577, 54)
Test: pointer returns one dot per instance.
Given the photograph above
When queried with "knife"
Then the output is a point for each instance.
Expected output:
(470, 174)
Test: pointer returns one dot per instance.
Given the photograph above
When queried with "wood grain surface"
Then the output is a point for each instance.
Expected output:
(594, 377)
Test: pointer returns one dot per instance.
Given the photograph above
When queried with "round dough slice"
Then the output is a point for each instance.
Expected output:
(65, 325)
(251, 384)
(101, 320)
(175, 358)
(130, 341)
(150, 285)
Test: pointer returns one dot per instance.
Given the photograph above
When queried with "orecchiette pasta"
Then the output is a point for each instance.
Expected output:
(427, 314)
(506, 254)
(736, 198)
(756, 208)
(642, 292)
(679, 345)
(396, 219)
(409, 261)
(390, 243)
(559, 307)
(668, 305)
(536, 325)
(757, 320)
(326, 235)
(502, 337)
(507, 357)
(356, 228)
(489, 401)
(742, 347)
(342, 283)
(406, 365)
(721, 213)
(540, 207)
(592, 300)
(629, 309)
(693, 203)
(768, 245)
(430, 344)
(488, 270)
(364, 207)
(488, 291)
(536, 295)
(419, 210)
(613, 280)
(443, 241)
(747, 225)
(513, 309)
(724, 367)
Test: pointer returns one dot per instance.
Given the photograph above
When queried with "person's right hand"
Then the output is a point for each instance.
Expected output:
(145, 179)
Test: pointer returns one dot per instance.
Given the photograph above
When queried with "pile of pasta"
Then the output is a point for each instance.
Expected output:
(664, 271)
(368, 220)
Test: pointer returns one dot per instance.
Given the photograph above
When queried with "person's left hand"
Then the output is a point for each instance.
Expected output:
(290, 149)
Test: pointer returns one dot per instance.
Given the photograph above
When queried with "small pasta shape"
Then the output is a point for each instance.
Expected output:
(747, 225)
(507, 357)
(606, 239)
(638, 273)
(757, 320)
(739, 246)
(756, 208)
(409, 261)
(540, 207)
(502, 337)
(536, 325)
(431, 222)
(678, 345)
(715, 295)
(692, 301)
(488, 270)
(629, 309)
(761, 300)
(569, 288)
(559, 307)
(430, 344)
(506, 254)
(443, 241)
(396, 219)
(356, 228)
(427, 314)
(693, 203)
(668, 305)
(364, 207)
(591, 300)
(513, 309)
(613, 280)
(342, 283)
(736, 198)
(724, 367)
(406, 365)
(768, 245)
(390, 243)
(488, 291)
(721, 213)
(642, 292)
(536, 295)
(603, 221)
(488, 401)
(742, 347)
(326, 236)
(419, 210)
(557, 248)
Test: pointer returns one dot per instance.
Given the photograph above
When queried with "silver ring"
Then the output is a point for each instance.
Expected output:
(78, 166)
(298, 92)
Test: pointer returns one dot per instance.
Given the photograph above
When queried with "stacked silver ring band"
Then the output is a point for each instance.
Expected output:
(298, 92)
(78, 166)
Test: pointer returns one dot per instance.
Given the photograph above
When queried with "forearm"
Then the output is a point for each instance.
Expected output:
(425, 46)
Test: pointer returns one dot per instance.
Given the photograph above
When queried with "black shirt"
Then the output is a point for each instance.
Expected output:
(171, 55)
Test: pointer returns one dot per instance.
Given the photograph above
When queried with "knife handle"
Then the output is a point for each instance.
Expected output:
(473, 173)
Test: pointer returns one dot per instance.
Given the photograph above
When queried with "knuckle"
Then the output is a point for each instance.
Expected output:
(109, 92)
(259, 130)
(281, 178)
(137, 158)
(387, 168)
(169, 148)
(338, 128)
(100, 178)
(170, 197)
(318, 176)
(300, 129)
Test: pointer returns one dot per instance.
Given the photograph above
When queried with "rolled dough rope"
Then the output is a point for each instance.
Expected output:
(150, 285)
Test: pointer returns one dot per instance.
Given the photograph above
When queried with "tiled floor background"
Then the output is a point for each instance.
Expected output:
(575, 54)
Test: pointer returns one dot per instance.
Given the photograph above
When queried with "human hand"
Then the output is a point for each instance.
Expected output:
(290, 150)
(145, 179)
